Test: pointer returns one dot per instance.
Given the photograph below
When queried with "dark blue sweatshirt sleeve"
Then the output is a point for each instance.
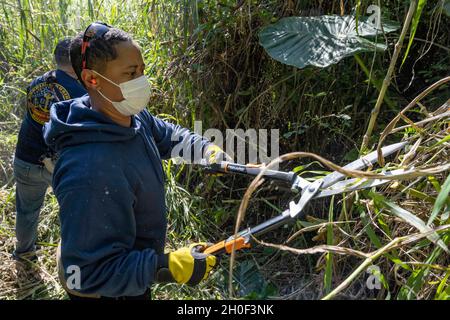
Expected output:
(173, 140)
(98, 230)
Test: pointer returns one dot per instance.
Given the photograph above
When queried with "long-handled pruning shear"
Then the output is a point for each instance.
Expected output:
(329, 185)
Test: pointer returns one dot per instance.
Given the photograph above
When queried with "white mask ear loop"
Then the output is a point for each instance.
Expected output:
(104, 97)
(106, 79)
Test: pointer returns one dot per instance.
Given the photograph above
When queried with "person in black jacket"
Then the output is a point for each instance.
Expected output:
(32, 161)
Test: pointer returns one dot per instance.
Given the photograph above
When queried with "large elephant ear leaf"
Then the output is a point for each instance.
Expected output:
(320, 41)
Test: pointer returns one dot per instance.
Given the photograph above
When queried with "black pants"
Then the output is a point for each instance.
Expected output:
(145, 296)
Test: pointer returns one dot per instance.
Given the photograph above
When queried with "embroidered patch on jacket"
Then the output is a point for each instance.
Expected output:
(41, 97)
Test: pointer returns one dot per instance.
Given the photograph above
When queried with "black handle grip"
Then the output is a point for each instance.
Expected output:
(227, 167)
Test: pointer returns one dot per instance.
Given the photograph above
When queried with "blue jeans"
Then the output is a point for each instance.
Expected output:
(32, 182)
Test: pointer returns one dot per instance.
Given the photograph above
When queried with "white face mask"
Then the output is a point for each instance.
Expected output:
(136, 93)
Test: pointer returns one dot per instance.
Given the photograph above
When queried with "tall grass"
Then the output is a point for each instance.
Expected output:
(206, 64)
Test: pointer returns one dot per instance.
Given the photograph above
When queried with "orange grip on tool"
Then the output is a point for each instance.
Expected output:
(227, 246)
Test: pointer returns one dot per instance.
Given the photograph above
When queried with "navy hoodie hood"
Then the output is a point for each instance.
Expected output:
(73, 122)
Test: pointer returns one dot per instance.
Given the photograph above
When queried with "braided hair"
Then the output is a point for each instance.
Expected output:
(101, 50)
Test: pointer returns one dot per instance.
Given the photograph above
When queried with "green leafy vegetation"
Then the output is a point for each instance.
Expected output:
(208, 61)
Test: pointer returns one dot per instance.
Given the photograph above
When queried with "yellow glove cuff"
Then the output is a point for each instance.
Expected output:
(187, 265)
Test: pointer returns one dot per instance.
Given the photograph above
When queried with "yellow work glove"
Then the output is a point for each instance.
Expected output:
(214, 154)
(186, 265)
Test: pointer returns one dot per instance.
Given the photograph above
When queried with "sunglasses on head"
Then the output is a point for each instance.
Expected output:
(95, 30)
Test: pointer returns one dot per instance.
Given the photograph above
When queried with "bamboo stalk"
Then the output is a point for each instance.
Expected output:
(387, 79)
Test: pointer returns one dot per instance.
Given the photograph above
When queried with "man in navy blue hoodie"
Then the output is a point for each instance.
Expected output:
(109, 179)
(32, 159)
